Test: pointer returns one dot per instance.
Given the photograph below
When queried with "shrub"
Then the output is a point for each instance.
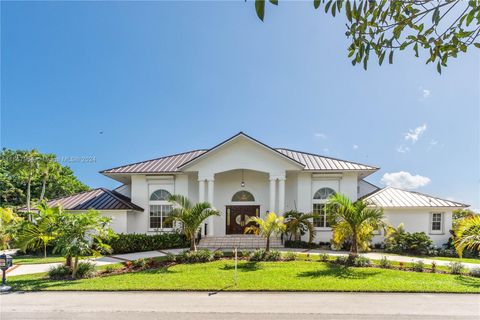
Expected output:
(455, 267)
(434, 267)
(245, 254)
(418, 266)
(85, 270)
(170, 257)
(290, 256)
(257, 255)
(195, 257)
(343, 260)
(109, 268)
(59, 272)
(401, 265)
(300, 244)
(127, 243)
(140, 263)
(324, 257)
(385, 263)
(475, 272)
(273, 255)
(218, 255)
(401, 241)
(362, 262)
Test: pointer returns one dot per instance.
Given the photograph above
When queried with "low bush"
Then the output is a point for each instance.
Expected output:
(59, 272)
(290, 256)
(362, 262)
(475, 272)
(85, 270)
(246, 254)
(127, 243)
(455, 267)
(140, 263)
(110, 268)
(257, 255)
(434, 267)
(324, 257)
(418, 266)
(262, 255)
(400, 241)
(218, 255)
(300, 244)
(170, 257)
(343, 260)
(385, 263)
(199, 256)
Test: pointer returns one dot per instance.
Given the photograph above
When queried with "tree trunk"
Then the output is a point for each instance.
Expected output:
(29, 182)
(353, 248)
(193, 244)
(75, 266)
(267, 249)
(44, 185)
(68, 261)
(45, 250)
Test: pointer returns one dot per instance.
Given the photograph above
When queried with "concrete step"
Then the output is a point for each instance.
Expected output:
(238, 241)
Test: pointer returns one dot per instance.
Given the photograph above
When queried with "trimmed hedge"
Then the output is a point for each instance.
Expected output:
(136, 242)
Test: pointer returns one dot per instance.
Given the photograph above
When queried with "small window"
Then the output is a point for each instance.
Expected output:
(160, 195)
(159, 214)
(437, 223)
(322, 220)
(323, 193)
(243, 196)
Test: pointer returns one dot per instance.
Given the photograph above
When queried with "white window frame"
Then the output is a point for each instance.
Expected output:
(324, 202)
(161, 203)
(442, 223)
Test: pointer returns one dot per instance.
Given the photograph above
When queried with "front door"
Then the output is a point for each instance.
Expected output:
(237, 217)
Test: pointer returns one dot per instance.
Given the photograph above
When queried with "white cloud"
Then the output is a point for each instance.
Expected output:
(415, 134)
(425, 93)
(404, 180)
(320, 135)
(403, 149)
(355, 147)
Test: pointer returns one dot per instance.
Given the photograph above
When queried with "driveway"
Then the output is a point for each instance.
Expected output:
(233, 305)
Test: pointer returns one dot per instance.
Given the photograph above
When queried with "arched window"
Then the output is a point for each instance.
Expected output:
(320, 199)
(323, 193)
(243, 195)
(160, 195)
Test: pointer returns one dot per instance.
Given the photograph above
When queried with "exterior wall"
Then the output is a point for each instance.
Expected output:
(140, 198)
(291, 185)
(119, 222)
(125, 189)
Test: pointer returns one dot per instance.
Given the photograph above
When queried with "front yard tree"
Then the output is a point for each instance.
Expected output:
(9, 221)
(83, 234)
(299, 223)
(353, 222)
(467, 234)
(271, 225)
(191, 216)
(439, 29)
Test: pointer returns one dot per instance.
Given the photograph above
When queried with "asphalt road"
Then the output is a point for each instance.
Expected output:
(232, 306)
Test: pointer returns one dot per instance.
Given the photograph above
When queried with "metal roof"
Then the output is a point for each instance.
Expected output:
(391, 197)
(171, 164)
(98, 199)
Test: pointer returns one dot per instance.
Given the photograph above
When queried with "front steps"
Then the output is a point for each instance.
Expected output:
(239, 241)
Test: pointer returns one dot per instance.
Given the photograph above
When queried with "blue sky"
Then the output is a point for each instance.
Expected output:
(164, 77)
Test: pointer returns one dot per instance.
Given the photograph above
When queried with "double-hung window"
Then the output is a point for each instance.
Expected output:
(160, 210)
(436, 223)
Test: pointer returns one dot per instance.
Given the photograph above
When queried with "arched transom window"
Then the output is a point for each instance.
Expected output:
(160, 210)
(320, 199)
(243, 195)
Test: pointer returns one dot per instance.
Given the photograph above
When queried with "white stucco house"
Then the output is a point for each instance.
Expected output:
(244, 177)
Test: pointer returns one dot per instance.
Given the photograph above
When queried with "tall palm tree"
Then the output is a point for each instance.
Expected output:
(47, 167)
(299, 223)
(271, 225)
(191, 216)
(353, 221)
(467, 234)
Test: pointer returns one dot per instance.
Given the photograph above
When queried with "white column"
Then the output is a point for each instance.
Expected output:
(281, 196)
(272, 194)
(210, 187)
(201, 198)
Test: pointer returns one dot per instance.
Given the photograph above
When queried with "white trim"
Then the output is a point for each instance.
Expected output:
(442, 223)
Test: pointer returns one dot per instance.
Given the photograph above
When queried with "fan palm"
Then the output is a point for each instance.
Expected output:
(353, 221)
(467, 234)
(299, 223)
(271, 225)
(191, 216)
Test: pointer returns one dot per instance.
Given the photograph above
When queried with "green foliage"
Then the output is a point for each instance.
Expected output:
(460, 214)
(418, 266)
(190, 216)
(354, 222)
(62, 272)
(290, 256)
(245, 254)
(170, 257)
(85, 270)
(467, 234)
(59, 272)
(300, 244)
(400, 241)
(9, 222)
(361, 262)
(342, 260)
(127, 243)
(218, 255)
(475, 272)
(440, 29)
(264, 255)
(455, 267)
(299, 224)
(199, 256)
(140, 263)
(324, 257)
(271, 225)
(385, 263)
(21, 170)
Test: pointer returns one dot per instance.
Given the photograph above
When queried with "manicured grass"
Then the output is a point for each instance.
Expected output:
(30, 259)
(264, 276)
(453, 259)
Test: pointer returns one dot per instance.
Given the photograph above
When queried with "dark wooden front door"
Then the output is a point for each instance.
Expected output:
(237, 217)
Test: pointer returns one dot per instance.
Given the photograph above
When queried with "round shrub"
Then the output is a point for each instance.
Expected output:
(290, 256)
(195, 257)
(385, 263)
(217, 255)
(59, 272)
(362, 262)
(455, 267)
(85, 270)
(475, 272)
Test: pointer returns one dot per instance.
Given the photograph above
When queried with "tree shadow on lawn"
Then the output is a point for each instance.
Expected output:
(39, 284)
(339, 272)
(468, 281)
(244, 267)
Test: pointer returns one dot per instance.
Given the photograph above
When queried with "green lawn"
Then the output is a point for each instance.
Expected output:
(463, 260)
(275, 276)
(31, 259)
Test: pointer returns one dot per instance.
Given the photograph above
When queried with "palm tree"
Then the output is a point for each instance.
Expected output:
(271, 225)
(43, 229)
(353, 221)
(191, 216)
(467, 234)
(299, 223)
(47, 167)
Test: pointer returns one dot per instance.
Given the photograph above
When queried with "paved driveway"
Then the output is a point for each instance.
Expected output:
(232, 305)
